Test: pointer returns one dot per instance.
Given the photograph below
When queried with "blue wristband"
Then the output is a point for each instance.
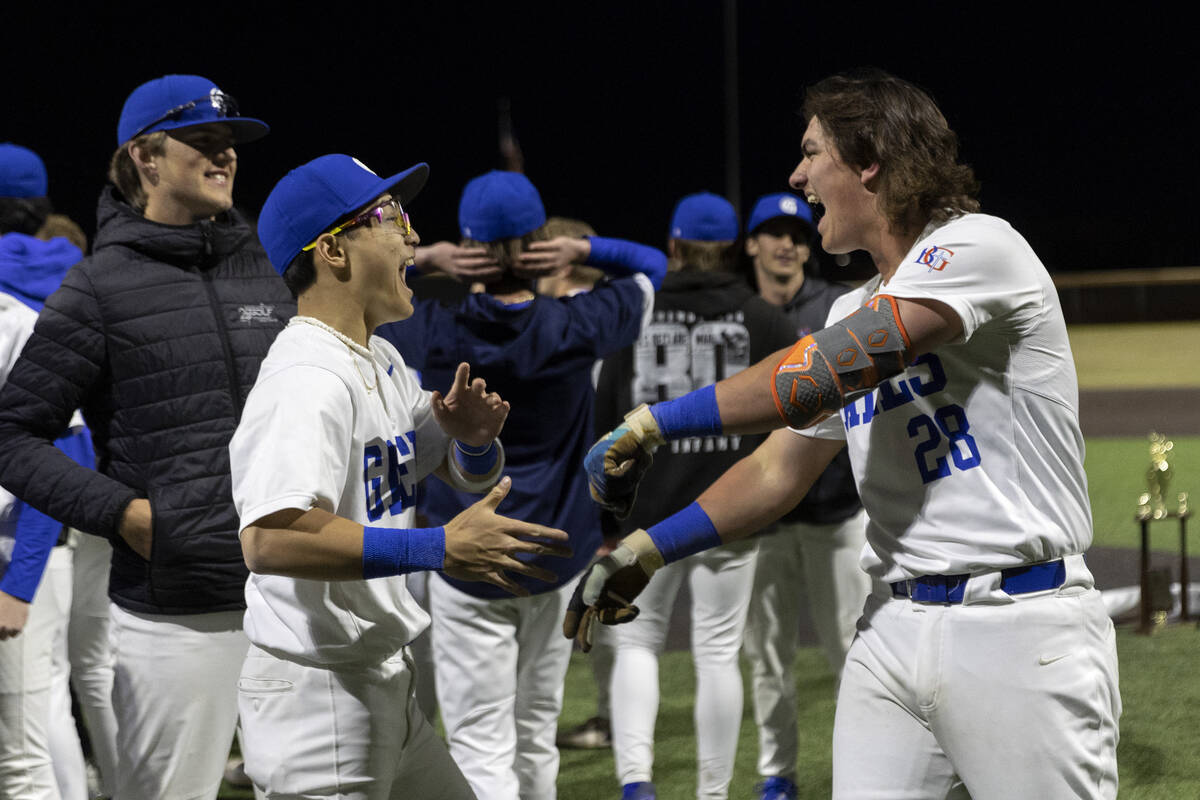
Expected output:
(694, 414)
(683, 534)
(476, 460)
(397, 551)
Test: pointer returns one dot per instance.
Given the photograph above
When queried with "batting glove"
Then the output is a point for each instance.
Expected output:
(607, 589)
(615, 464)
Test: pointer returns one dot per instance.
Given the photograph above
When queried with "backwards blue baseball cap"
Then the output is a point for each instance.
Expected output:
(704, 217)
(782, 204)
(499, 205)
(22, 173)
(177, 101)
(312, 198)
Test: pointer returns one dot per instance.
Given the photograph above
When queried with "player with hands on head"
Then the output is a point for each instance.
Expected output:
(472, 264)
(949, 378)
(500, 660)
(334, 438)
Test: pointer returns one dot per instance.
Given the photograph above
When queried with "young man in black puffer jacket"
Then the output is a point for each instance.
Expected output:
(157, 337)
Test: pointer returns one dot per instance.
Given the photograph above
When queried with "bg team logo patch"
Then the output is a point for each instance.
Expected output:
(935, 257)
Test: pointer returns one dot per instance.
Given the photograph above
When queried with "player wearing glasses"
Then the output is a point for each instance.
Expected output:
(157, 337)
(326, 460)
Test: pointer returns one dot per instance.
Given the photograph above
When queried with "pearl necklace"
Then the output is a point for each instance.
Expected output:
(354, 347)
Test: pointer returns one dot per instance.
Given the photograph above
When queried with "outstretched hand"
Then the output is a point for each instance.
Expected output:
(468, 412)
(543, 259)
(481, 545)
(605, 593)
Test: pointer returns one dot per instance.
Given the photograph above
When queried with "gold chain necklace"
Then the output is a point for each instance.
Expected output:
(354, 347)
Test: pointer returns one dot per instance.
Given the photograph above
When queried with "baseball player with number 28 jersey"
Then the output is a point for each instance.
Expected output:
(990, 668)
(994, 480)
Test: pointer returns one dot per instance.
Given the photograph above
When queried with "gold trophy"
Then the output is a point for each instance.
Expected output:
(1152, 505)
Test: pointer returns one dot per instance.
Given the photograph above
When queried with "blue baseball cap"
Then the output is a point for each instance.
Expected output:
(22, 173)
(499, 205)
(177, 101)
(311, 198)
(704, 217)
(782, 204)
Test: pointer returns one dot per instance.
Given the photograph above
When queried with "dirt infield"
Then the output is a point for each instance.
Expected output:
(1136, 412)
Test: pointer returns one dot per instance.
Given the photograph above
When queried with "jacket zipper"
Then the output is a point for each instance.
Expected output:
(235, 387)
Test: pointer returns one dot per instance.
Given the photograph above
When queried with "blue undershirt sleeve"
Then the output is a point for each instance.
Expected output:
(621, 258)
(35, 535)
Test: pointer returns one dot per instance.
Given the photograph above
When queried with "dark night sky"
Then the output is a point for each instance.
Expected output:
(1079, 130)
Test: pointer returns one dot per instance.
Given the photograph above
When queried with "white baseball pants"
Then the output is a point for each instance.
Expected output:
(825, 560)
(421, 649)
(40, 755)
(90, 651)
(720, 582)
(354, 733)
(1014, 695)
(500, 671)
(175, 697)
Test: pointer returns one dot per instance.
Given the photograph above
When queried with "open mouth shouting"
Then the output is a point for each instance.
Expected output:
(818, 208)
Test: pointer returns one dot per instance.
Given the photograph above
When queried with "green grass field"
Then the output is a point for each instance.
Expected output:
(1156, 756)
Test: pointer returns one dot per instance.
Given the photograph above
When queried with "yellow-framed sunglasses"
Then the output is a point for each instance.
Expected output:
(401, 219)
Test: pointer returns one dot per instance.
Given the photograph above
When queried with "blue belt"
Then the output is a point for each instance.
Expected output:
(950, 588)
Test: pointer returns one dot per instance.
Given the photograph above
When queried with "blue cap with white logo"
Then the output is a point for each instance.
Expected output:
(499, 205)
(312, 198)
(22, 173)
(783, 204)
(704, 217)
(177, 101)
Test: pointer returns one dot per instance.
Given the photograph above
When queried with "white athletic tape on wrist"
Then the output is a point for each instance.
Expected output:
(636, 548)
(645, 427)
(475, 484)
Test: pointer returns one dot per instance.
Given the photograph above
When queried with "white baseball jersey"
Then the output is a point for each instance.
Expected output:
(972, 458)
(313, 435)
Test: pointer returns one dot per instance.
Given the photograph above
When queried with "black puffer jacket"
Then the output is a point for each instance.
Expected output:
(158, 337)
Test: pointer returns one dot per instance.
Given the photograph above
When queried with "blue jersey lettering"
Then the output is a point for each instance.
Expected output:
(936, 381)
(387, 482)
